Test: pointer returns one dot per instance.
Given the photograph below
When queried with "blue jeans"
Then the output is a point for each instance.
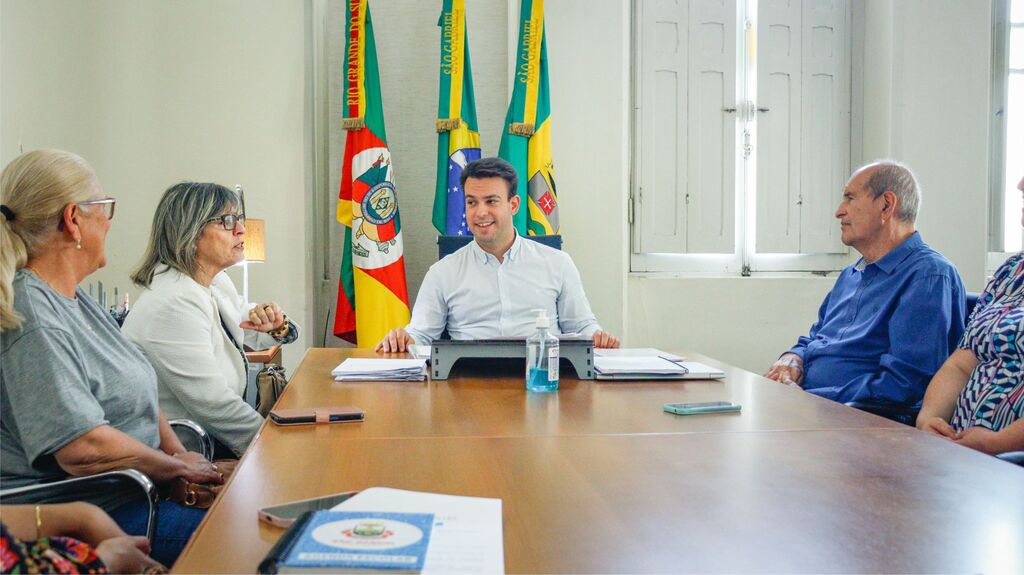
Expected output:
(174, 525)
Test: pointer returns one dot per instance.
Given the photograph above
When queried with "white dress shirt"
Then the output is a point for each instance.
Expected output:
(476, 297)
(201, 372)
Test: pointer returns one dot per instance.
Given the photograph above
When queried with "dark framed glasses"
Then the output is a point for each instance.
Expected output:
(106, 203)
(229, 221)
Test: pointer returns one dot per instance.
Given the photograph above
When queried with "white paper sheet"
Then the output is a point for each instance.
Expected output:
(467, 535)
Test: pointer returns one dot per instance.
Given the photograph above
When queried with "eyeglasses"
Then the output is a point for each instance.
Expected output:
(107, 203)
(229, 221)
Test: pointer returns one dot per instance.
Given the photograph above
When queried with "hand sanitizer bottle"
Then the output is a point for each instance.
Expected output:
(542, 357)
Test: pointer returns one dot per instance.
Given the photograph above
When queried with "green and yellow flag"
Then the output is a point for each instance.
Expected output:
(526, 135)
(458, 140)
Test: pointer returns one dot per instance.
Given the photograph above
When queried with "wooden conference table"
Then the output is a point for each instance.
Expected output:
(597, 479)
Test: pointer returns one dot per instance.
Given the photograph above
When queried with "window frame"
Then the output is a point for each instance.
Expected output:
(744, 260)
(1001, 27)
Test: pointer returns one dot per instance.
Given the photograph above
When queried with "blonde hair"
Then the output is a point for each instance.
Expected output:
(34, 188)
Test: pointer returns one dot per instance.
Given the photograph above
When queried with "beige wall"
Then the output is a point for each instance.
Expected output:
(938, 76)
(588, 50)
(152, 93)
(926, 98)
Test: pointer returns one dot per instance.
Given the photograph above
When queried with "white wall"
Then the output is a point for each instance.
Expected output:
(588, 52)
(745, 321)
(934, 83)
(152, 93)
(926, 82)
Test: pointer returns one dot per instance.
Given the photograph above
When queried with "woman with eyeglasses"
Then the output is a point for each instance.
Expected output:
(76, 397)
(190, 321)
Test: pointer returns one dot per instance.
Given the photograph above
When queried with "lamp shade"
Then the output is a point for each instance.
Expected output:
(254, 244)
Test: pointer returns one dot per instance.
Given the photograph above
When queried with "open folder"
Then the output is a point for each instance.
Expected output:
(652, 367)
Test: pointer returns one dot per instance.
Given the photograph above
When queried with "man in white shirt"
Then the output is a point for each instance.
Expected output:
(491, 287)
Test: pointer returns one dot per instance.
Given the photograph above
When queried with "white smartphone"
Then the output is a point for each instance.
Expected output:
(285, 514)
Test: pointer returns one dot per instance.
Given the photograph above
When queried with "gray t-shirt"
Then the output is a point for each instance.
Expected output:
(64, 372)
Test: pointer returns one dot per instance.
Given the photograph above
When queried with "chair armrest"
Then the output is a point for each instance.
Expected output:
(898, 413)
(1013, 457)
(85, 488)
(193, 436)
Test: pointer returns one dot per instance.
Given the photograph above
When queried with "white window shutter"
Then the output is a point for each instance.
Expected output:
(687, 147)
(825, 133)
(662, 177)
(711, 224)
(778, 126)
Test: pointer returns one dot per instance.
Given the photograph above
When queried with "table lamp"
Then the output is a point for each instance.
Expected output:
(254, 251)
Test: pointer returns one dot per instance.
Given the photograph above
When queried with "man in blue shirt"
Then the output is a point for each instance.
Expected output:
(893, 317)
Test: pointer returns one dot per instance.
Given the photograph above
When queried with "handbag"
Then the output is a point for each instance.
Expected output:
(270, 383)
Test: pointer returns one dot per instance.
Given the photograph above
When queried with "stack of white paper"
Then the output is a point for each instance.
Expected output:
(467, 535)
(380, 369)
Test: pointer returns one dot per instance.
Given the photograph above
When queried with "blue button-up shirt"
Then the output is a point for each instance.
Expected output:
(885, 328)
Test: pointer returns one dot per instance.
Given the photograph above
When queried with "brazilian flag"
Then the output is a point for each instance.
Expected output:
(458, 139)
(526, 137)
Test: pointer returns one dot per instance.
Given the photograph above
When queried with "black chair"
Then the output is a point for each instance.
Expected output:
(98, 487)
(446, 245)
(193, 437)
(898, 413)
(972, 301)
(130, 482)
(1016, 457)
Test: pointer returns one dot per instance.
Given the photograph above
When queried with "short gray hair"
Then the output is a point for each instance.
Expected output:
(183, 212)
(896, 177)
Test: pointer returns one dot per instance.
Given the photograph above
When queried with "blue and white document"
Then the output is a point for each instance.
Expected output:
(466, 535)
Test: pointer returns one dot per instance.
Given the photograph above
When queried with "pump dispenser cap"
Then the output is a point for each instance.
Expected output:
(542, 319)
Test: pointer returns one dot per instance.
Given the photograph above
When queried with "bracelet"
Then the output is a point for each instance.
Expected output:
(39, 521)
(281, 331)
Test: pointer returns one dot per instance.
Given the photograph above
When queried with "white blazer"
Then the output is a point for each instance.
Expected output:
(179, 325)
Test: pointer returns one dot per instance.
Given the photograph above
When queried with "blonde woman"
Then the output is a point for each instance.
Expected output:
(190, 321)
(77, 397)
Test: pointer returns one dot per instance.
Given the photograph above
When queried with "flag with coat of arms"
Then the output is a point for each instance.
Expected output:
(458, 139)
(372, 293)
(526, 135)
